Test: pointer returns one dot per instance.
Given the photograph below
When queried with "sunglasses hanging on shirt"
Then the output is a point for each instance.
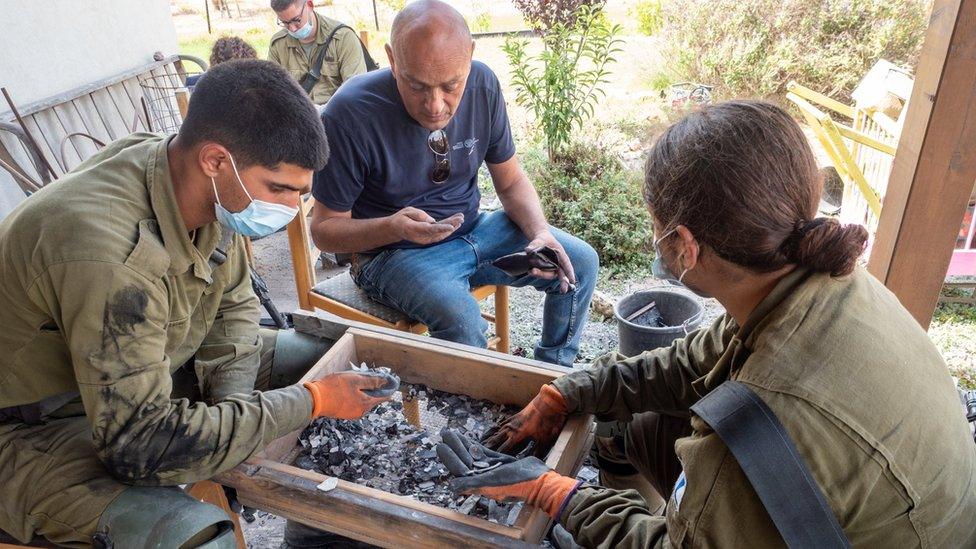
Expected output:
(439, 144)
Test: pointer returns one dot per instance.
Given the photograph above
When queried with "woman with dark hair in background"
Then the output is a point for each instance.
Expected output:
(861, 390)
(225, 49)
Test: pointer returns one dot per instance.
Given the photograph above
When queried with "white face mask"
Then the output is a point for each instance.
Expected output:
(660, 269)
(258, 219)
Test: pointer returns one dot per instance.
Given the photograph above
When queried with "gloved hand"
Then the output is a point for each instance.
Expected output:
(502, 477)
(540, 422)
(349, 395)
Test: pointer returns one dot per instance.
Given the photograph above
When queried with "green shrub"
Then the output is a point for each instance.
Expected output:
(650, 16)
(588, 192)
(755, 47)
(563, 82)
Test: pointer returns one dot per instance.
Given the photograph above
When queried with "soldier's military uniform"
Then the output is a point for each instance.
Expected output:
(104, 296)
(858, 385)
(343, 60)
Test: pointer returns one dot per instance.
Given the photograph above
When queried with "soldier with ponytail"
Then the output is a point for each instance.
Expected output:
(732, 190)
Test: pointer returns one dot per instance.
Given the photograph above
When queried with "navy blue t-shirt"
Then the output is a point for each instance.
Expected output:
(380, 163)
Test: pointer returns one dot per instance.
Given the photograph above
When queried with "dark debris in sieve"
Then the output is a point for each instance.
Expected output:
(382, 450)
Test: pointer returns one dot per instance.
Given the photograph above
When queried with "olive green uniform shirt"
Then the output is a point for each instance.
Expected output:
(343, 60)
(859, 387)
(103, 293)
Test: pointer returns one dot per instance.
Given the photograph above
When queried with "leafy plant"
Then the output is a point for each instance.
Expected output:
(482, 22)
(755, 47)
(587, 191)
(543, 15)
(650, 16)
(562, 83)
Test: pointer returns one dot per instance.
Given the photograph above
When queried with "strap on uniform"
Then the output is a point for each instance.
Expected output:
(773, 466)
(219, 255)
(315, 69)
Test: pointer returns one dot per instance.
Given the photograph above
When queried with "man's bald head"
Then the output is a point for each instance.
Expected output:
(426, 23)
(430, 55)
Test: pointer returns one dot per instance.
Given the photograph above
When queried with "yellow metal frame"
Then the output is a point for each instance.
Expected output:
(832, 136)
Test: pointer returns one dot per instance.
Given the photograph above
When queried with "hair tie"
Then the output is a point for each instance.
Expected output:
(791, 244)
(803, 227)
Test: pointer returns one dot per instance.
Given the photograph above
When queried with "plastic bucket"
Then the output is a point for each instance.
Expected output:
(680, 312)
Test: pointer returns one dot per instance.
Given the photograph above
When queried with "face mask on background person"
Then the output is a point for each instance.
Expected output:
(302, 33)
(258, 219)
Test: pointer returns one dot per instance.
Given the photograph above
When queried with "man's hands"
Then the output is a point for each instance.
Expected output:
(565, 272)
(349, 395)
(540, 422)
(416, 226)
(502, 477)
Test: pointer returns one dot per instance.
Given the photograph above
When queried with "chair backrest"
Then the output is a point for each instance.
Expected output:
(302, 252)
(68, 128)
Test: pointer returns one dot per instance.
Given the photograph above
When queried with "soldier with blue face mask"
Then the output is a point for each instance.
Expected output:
(129, 361)
(296, 47)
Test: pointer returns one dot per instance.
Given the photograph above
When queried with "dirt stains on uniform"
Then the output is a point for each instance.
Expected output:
(125, 310)
(144, 443)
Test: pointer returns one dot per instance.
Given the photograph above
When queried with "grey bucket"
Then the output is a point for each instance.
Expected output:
(682, 314)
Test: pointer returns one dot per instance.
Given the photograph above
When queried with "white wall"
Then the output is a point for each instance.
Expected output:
(51, 46)
(48, 47)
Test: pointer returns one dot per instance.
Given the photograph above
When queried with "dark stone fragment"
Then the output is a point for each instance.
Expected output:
(337, 457)
(386, 452)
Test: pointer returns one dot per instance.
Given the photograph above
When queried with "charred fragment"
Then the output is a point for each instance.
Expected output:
(384, 450)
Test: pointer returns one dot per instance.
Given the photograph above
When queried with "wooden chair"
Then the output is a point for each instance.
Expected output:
(209, 491)
(68, 128)
(340, 295)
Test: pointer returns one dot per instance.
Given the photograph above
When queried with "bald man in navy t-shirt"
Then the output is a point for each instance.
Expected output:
(400, 190)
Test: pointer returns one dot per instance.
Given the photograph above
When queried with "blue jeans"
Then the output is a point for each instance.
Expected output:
(433, 285)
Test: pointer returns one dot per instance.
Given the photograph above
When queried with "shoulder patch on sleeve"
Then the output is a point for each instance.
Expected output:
(149, 255)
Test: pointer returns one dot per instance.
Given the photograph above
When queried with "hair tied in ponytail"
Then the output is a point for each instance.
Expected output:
(791, 245)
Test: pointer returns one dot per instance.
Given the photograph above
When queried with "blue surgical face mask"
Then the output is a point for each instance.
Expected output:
(258, 219)
(302, 33)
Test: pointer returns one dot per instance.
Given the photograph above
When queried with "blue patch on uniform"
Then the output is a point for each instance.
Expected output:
(679, 490)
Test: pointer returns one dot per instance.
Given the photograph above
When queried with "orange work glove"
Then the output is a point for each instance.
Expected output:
(540, 421)
(349, 395)
(503, 477)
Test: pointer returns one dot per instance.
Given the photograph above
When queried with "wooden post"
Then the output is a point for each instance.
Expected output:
(364, 36)
(206, 6)
(935, 167)
(502, 328)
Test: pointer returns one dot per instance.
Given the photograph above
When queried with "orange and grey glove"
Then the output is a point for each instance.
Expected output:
(539, 422)
(349, 395)
(501, 477)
